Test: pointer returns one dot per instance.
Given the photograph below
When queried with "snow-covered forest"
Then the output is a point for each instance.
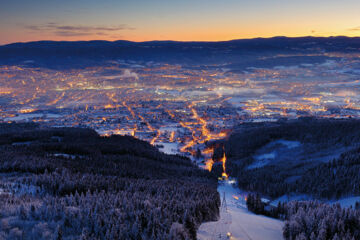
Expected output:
(320, 221)
(311, 219)
(70, 183)
(324, 164)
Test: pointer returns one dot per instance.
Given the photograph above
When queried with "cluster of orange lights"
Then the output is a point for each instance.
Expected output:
(244, 197)
(152, 142)
(27, 110)
(205, 135)
(223, 160)
(199, 128)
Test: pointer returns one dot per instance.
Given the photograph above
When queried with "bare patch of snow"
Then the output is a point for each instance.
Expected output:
(348, 202)
(291, 197)
(262, 160)
(271, 151)
(289, 144)
(344, 202)
(169, 148)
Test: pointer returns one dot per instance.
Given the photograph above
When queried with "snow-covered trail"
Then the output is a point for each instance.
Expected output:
(238, 221)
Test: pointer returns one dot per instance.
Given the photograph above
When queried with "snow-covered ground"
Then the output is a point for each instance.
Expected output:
(345, 202)
(28, 116)
(237, 221)
(291, 197)
(169, 148)
(271, 151)
(285, 152)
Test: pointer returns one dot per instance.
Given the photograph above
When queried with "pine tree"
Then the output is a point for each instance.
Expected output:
(58, 235)
(189, 226)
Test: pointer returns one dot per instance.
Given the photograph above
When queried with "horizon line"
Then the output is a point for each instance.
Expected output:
(195, 41)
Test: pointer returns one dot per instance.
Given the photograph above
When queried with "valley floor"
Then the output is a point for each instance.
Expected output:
(236, 222)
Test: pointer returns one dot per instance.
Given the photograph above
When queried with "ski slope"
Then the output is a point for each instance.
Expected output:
(236, 222)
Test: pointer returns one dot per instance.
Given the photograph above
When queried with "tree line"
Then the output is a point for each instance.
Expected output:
(69, 183)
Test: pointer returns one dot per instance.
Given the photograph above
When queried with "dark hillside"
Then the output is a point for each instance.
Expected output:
(324, 163)
(241, 52)
(69, 183)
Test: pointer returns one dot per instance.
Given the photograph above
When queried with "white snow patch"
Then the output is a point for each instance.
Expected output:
(344, 202)
(347, 202)
(289, 144)
(26, 117)
(269, 152)
(291, 197)
(262, 160)
(169, 148)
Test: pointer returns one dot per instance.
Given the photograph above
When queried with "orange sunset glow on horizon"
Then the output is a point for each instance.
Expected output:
(22, 21)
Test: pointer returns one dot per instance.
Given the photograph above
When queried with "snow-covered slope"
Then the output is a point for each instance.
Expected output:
(344, 202)
(236, 221)
(348, 202)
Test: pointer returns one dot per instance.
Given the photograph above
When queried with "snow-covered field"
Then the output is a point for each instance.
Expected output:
(285, 152)
(273, 151)
(236, 222)
(169, 148)
(345, 202)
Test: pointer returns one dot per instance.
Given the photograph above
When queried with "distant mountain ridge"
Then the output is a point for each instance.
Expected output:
(88, 53)
(167, 42)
